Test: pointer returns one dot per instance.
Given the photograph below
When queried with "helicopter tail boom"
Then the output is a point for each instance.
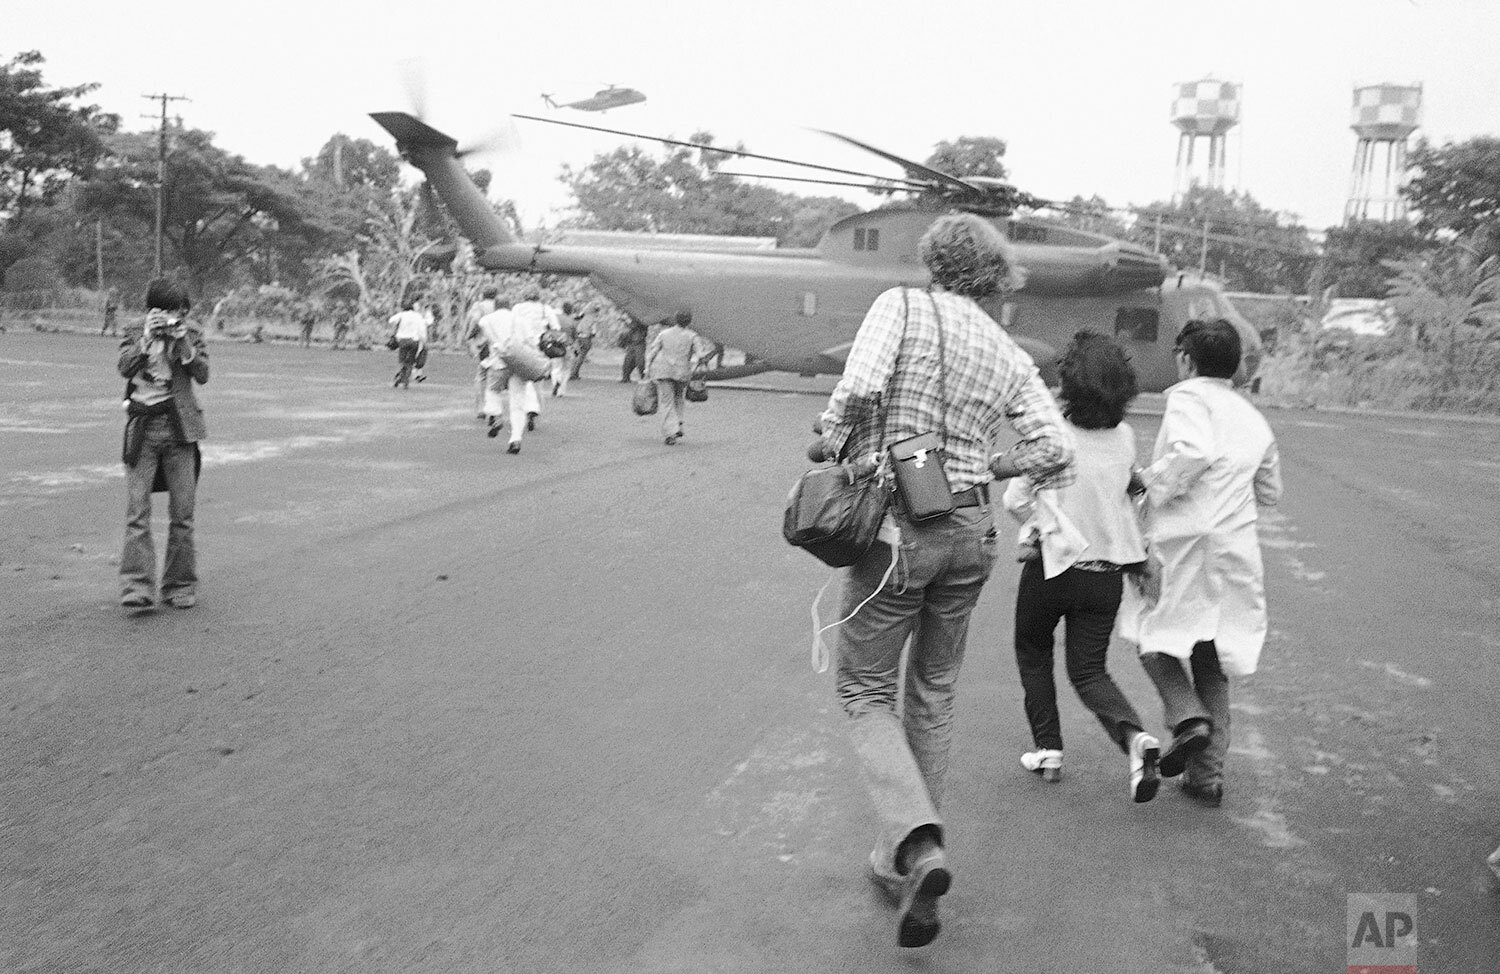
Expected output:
(437, 156)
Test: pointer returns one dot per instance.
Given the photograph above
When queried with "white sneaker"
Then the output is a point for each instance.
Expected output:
(1044, 762)
(1494, 861)
(1144, 779)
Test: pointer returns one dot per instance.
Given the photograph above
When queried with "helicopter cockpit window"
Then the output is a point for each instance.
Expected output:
(1137, 324)
(867, 238)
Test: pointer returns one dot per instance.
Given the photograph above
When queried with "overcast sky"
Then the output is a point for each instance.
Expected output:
(1081, 91)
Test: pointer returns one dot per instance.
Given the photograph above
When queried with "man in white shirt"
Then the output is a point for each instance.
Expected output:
(474, 339)
(410, 334)
(532, 318)
(502, 329)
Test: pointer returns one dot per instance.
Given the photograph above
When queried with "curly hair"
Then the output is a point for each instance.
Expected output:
(1098, 381)
(969, 255)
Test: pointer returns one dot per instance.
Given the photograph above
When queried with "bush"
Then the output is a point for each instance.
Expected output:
(30, 283)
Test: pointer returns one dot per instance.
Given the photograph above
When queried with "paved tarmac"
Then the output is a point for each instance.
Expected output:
(443, 709)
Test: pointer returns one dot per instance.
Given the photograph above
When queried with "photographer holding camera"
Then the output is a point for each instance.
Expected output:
(161, 357)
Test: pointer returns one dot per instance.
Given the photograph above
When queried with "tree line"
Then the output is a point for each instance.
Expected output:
(78, 209)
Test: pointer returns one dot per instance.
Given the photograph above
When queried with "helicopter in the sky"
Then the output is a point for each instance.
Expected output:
(603, 100)
(797, 310)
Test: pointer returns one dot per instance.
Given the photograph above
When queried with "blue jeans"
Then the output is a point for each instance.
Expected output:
(902, 744)
(138, 559)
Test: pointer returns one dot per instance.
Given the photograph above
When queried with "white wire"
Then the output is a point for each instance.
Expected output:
(820, 648)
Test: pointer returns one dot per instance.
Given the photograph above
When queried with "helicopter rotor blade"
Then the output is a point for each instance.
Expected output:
(414, 82)
(915, 170)
(917, 184)
(871, 187)
(502, 141)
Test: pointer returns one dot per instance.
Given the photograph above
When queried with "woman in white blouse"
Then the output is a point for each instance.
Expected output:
(1080, 541)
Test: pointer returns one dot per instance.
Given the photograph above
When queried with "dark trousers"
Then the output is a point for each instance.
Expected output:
(1203, 697)
(406, 356)
(635, 360)
(585, 343)
(1087, 601)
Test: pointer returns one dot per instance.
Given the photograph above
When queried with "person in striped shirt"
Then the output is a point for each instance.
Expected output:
(930, 360)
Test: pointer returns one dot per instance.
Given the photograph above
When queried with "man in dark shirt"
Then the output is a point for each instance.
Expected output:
(634, 343)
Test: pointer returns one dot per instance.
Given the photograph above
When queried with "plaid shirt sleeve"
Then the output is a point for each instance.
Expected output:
(1045, 450)
(855, 402)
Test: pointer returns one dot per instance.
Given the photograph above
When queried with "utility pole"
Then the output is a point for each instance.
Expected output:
(99, 253)
(161, 166)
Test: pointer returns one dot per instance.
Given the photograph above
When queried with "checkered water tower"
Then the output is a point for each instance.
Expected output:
(1203, 111)
(1385, 116)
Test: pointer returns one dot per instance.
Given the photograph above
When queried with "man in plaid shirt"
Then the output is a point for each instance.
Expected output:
(965, 386)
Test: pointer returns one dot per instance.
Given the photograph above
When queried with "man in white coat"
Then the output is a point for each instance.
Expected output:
(1215, 460)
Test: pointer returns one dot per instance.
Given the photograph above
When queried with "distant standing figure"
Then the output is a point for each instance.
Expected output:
(309, 320)
(669, 363)
(1083, 537)
(410, 332)
(161, 358)
(111, 314)
(1215, 462)
(584, 328)
(634, 343)
(342, 315)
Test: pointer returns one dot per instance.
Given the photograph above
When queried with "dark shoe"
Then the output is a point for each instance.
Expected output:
(137, 602)
(421, 378)
(1144, 779)
(671, 441)
(181, 600)
(513, 448)
(531, 422)
(917, 924)
(1191, 738)
(1209, 796)
(493, 431)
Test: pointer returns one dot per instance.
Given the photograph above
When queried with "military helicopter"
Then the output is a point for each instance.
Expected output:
(604, 99)
(797, 310)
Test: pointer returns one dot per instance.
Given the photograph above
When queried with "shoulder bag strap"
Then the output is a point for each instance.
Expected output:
(942, 373)
(890, 380)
